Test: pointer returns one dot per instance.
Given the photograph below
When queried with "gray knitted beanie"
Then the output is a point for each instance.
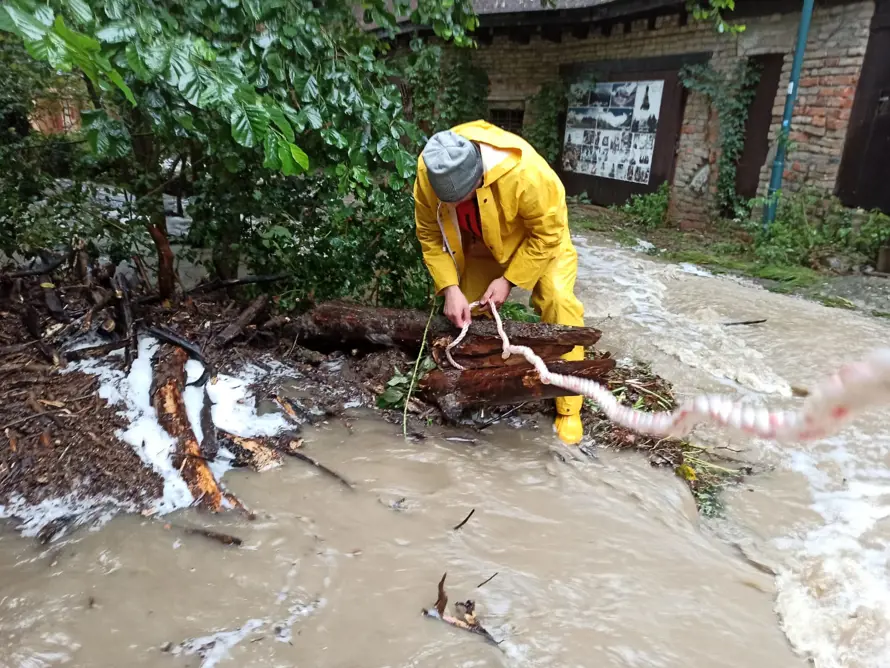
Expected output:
(453, 165)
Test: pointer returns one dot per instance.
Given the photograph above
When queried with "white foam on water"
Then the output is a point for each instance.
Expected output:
(833, 582)
(215, 647)
(234, 411)
(834, 593)
(33, 517)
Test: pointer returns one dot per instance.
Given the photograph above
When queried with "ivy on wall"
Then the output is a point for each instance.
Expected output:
(730, 93)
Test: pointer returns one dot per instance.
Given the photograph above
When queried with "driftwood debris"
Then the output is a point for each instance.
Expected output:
(168, 385)
(454, 391)
(246, 318)
(251, 452)
(466, 613)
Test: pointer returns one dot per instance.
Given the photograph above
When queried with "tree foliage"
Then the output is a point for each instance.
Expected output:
(445, 87)
(290, 94)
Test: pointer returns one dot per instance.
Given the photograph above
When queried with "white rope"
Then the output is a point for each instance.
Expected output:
(832, 403)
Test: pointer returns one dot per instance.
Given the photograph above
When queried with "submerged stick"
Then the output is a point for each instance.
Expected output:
(93, 351)
(321, 467)
(482, 584)
(466, 519)
(744, 322)
(224, 538)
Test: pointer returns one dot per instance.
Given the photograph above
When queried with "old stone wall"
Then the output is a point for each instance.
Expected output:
(835, 50)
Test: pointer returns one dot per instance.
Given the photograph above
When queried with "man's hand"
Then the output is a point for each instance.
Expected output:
(497, 292)
(457, 308)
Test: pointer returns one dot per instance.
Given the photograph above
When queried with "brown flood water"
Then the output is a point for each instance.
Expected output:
(600, 562)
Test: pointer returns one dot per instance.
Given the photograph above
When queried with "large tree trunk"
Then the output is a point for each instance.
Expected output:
(148, 188)
(166, 271)
(343, 325)
(454, 391)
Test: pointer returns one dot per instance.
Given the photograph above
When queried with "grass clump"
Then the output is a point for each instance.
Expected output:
(705, 471)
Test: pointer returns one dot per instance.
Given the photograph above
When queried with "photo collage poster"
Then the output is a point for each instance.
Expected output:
(610, 129)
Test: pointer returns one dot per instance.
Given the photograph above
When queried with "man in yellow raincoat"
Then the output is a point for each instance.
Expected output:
(491, 214)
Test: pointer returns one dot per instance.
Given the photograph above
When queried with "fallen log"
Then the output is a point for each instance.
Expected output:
(344, 325)
(454, 391)
(246, 317)
(546, 351)
(167, 387)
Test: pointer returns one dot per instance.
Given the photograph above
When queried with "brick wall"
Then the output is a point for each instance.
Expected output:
(835, 49)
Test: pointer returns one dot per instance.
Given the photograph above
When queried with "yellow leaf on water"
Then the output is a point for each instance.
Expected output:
(48, 286)
(686, 472)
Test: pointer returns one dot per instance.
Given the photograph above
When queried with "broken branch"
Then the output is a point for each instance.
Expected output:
(36, 271)
(247, 316)
(465, 520)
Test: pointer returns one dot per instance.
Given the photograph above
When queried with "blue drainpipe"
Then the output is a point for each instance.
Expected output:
(775, 181)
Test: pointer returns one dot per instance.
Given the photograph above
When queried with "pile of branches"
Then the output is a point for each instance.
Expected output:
(61, 439)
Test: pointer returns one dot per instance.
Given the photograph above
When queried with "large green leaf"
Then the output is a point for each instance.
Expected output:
(155, 56)
(40, 49)
(313, 115)
(299, 156)
(190, 87)
(181, 66)
(310, 90)
(184, 118)
(134, 62)
(6, 22)
(280, 121)
(270, 152)
(80, 10)
(250, 123)
(296, 119)
(116, 32)
(275, 65)
(115, 78)
(114, 9)
(77, 40)
(288, 166)
(26, 26)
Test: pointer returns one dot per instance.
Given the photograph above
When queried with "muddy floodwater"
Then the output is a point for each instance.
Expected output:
(599, 562)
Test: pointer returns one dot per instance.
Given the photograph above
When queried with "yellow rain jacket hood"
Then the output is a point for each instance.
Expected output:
(521, 205)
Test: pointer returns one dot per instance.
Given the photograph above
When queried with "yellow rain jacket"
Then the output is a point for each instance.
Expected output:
(522, 206)
(525, 229)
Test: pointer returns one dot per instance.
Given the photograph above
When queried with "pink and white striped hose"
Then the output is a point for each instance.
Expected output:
(833, 402)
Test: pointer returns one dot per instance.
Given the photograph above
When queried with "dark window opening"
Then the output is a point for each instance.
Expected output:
(507, 119)
(757, 125)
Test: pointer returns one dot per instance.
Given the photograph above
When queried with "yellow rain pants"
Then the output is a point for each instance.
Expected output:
(553, 296)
